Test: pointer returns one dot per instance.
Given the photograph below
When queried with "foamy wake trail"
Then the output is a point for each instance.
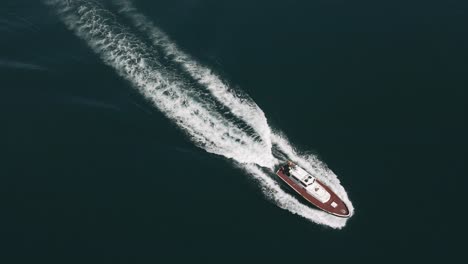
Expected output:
(240, 105)
(136, 62)
(202, 122)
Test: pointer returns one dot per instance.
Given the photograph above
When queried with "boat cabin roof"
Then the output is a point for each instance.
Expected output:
(303, 176)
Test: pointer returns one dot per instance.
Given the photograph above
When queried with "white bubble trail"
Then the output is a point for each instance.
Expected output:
(241, 105)
(136, 62)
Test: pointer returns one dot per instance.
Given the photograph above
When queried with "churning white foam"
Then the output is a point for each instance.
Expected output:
(136, 62)
(202, 122)
(240, 105)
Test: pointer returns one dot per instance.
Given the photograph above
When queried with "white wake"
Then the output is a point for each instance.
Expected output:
(136, 62)
(249, 110)
(200, 119)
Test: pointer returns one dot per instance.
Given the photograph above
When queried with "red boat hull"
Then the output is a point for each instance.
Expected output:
(339, 210)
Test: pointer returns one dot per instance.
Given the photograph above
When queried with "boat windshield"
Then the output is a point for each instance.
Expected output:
(308, 180)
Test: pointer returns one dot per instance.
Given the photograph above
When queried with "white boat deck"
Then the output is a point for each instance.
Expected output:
(312, 186)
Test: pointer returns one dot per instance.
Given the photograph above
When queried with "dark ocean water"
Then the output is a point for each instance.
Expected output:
(91, 170)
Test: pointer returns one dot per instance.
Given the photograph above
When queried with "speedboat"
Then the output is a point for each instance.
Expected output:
(312, 190)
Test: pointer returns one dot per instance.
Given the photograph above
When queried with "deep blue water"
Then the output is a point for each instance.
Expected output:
(92, 170)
